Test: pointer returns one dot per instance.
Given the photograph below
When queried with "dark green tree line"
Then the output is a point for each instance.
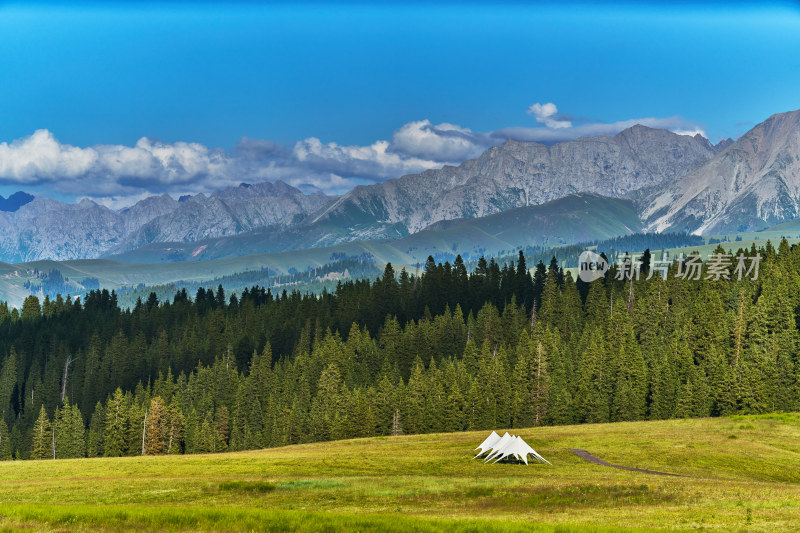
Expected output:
(501, 347)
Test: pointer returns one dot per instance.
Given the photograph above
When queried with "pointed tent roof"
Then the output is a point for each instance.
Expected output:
(519, 449)
(507, 446)
(498, 446)
(531, 451)
(512, 448)
(488, 443)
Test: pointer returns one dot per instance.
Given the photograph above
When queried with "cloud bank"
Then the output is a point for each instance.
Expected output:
(119, 175)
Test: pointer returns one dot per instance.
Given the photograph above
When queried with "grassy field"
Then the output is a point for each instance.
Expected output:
(741, 474)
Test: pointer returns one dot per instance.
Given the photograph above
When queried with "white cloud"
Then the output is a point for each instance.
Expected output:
(371, 162)
(444, 142)
(40, 156)
(691, 132)
(675, 124)
(547, 114)
(117, 175)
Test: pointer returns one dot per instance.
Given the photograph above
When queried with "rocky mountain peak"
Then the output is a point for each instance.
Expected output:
(723, 144)
(49, 229)
(749, 185)
(518, 174)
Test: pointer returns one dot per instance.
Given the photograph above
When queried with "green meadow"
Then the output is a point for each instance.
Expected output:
(738, 474)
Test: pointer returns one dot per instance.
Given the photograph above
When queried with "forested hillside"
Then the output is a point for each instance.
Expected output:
(445, 351)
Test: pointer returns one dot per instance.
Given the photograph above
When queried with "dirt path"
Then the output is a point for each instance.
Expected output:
(592, 459)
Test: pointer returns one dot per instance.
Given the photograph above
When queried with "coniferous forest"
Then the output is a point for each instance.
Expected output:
(446, 350)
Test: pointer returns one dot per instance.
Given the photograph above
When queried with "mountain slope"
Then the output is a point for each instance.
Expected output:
(226, 212)
(52, 229)
(790, 227)
(577, 218)
(521, 174)
(754, 183)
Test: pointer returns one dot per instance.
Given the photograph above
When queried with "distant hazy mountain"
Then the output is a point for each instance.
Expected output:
(518, 174)
(577, 218)
(14, 201)
(752, 184)
(226, 212)
(49, 229)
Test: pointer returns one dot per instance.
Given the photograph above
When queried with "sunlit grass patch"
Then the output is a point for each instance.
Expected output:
(431, 483)
(254, 520)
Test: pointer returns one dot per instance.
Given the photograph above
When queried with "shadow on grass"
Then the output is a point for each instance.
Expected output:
(247, 486)
(570, 497)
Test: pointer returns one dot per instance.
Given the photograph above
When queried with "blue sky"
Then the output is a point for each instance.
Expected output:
(147, 97)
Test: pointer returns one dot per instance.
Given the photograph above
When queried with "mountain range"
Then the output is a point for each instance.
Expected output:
(518, 174)
(580, 217)
(670, 182)
(49, 229)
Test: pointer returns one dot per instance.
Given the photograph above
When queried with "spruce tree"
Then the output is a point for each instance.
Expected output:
(5, 442)
(435, 400)
(559, 400)
(629, 398)
(156, 428)
(223, 428)
(8, 380)
(70, 432)
(522, 407)
(591, 398)
(455, 404)
(540, 380)
(415, 399)
(722, 386)
(326, 412)
(42, 437)
(116, 427)
(94, 440)
(664, 387)
(385, 405)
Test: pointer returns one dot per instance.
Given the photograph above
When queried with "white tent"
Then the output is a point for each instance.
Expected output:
(500, 445)
(488, 443)
(507, 446)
